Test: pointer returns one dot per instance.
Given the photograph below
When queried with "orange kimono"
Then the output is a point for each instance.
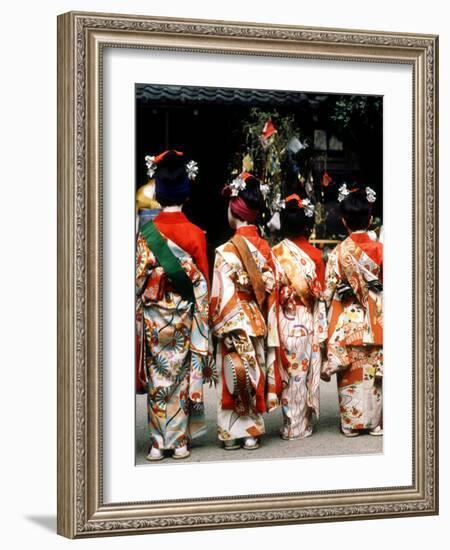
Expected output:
(303, 328)
(354, 295)
(236, 318)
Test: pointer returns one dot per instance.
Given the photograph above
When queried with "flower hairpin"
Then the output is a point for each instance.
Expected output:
(238, 184)
(151, 165)
(278, 203)
(371, 195)
(192, 169)
(308, 206)
(343, 192)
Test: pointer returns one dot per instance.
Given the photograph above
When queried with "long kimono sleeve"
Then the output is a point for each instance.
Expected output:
(337, 356)
(332, 277)
(225, 312)
(143, 262)
(203, 353)
(199, 343)
(200, 255)
(274, 361)
(142, 266)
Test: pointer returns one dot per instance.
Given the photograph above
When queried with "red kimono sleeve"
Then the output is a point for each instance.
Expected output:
(200, 256)
(320, 268)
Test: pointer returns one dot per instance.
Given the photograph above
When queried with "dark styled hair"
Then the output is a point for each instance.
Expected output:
(294, 222)
(356, 210)
(172, 183)
(252, 195)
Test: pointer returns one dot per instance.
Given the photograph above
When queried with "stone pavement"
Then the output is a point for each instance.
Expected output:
(325, 441)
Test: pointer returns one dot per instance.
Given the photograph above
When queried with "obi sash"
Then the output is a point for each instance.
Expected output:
(252, 270)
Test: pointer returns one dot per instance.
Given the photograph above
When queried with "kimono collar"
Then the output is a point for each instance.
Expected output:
(360, 237)
(171, 217)
(247, 231)
(301, 239)
(252, 234)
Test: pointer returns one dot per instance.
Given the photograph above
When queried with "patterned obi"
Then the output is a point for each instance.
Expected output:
(246, 296)
(158, 284)
(289, 299)
(256, 324)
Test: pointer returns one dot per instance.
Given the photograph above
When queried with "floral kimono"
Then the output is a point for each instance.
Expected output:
(173, 334)
(355, 336)
(237, 317)
(302, 327)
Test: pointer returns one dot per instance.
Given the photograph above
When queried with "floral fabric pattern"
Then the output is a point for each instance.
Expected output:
(359, 389)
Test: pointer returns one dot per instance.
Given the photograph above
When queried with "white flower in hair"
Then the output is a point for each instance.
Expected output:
(308, 207)
(151, 166)
(343, 192)
(192, 169)
(278, 203)
(238, 184)
(371, 195)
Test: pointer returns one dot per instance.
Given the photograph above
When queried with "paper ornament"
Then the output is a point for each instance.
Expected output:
(326, 179)
(295, 145)
(247, 163)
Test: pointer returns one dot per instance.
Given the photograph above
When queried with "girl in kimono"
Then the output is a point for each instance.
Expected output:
(354, 295)
(172, 293)
(301, 317)
(243, 319)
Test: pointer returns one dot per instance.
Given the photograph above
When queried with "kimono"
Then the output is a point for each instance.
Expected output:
(354, 295)
(237, 317)
(303, 328)
(173, 334)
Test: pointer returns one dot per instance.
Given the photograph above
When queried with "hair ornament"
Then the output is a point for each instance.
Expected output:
(238, 184)
(371, 195)
(152, 164)
(306, 204)
(343, 192)
(278, 203)
(192, 169)
(308, 207)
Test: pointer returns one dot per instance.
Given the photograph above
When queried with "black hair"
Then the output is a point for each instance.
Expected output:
(356, 210)
(252, 195)
(294, 221)
(170, 170)
(164, 201)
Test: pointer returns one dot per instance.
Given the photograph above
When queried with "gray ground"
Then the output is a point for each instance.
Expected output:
(326, 440)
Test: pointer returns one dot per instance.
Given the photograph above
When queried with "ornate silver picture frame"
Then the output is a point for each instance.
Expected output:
(82, 39)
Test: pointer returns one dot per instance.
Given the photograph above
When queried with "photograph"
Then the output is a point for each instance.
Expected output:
(259, 274)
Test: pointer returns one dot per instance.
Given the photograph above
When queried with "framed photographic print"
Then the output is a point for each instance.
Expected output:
(247, 288)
